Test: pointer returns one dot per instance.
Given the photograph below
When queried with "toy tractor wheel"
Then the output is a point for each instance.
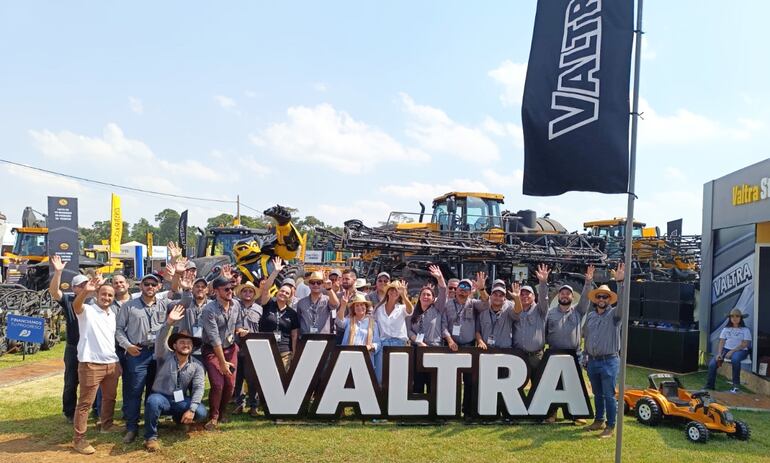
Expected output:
(696, 432)
(648, 412)
(626, 408)
(742, 431)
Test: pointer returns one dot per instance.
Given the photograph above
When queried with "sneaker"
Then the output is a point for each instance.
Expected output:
(151, 445)
(608, 431)
(550, 420)
(82, 446)
(735, 390)
(580, 422)
(129, 437)
(597, 425)
(110, 428)
(211, 425)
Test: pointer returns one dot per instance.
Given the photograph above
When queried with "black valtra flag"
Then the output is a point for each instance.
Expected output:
(183, 233)
(575, 110)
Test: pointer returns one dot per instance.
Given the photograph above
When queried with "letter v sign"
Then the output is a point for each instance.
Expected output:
(272, 378)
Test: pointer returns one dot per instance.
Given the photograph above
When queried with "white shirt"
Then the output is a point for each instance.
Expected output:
(97, 335)
(735, 336)
(393, 325)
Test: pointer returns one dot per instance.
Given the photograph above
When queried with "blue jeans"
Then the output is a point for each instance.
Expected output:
(378, 357)
(603, 375)
(159, 404)
(137, 378)
(735, 361)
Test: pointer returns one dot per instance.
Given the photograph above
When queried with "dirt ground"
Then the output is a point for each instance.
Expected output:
(31, 372)
(19, 448)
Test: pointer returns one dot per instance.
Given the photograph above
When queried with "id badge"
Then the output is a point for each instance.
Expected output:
(151, 337)
(456, 330)
(230, 338)
(178, 396)
(197, 331)
(420, 337)
(313, 330)
(277, 335)
(491, 340)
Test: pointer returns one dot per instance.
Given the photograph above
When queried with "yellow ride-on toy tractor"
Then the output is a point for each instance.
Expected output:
(666, 398)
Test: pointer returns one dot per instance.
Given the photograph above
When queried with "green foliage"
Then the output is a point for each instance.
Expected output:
(98, 232)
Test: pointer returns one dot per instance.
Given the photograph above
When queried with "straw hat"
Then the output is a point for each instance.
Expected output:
(241, 287)
(315, 276)
(359, 299)
(603, 289)
(361, 283)
(737, 311)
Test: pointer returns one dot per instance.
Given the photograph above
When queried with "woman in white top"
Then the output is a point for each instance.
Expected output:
(734, 346)
(391, 314)
(360, 328)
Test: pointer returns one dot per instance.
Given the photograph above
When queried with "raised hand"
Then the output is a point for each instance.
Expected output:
(542, 273)
(277, 264)
(481, 281)
(186, 283)
(57, 264)
(515, 289)
(590, 273)
(402, 289)
(180, 265)
(227, 271)
(170, 270)
(92, 285)
(174, 251)
(620, 273)
(176, 314)
(435, 271)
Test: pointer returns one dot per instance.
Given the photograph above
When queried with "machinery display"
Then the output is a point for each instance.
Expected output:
(250, 250)
(468, 233)
(666, 399)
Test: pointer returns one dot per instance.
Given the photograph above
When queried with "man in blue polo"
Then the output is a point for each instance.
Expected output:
(138, 324)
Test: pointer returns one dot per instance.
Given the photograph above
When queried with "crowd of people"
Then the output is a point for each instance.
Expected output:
(163, 344)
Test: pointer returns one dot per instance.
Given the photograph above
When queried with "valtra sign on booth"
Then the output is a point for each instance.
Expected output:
(336, 377)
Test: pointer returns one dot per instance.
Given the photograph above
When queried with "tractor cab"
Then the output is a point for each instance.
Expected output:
(473, 212)
(616, 228)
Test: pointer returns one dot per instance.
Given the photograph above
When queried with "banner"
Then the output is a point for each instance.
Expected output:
(26, 329)
(116, 225)
(324, 378)
(149, 244)
(183, 233)
(63, 238)
(575, 111)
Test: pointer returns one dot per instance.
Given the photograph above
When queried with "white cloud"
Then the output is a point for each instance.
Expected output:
(324, 135)
(136, 105)
(320, 87)
(427, 191)
(436, 133)
(496, 179)
(511, 76)
(69, 146)
(225, 101)
(254, 167)
(50, 182)
(504, 129)
(685, 127)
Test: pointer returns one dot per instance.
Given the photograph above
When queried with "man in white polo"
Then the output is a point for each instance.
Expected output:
(99, 366)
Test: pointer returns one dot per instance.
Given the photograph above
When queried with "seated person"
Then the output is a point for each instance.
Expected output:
(177, 373)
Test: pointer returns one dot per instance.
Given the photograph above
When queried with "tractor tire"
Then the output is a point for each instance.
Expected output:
(696, 432)
(31, 348)
(49, 339)
(742, 431)
(288, 271)
(648, 412)
(626, 408)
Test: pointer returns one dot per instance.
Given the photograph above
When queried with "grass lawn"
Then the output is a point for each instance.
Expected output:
(15, 359)
(33, 410)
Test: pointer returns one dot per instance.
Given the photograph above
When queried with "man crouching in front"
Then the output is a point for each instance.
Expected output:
(176, 372)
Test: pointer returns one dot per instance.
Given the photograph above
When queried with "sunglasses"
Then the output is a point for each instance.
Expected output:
(465, 287)
(227, 289)
(602, 296)
(315, 283)
(451, 288)
(151, 285)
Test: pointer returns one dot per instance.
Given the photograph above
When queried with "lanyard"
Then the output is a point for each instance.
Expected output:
(459, 313)
(494, 319)
(421, 329)
(148, 313)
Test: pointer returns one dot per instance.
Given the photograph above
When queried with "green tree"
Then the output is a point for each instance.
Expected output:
(168, 226)
(99, 232)
(139, 231)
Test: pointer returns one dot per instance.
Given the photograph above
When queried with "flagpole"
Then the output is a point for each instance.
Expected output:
(629, 233)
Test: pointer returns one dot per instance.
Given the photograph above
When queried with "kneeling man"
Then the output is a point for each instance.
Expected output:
(177, 371)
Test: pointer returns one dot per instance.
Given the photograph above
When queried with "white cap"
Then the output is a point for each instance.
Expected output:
(78, 280)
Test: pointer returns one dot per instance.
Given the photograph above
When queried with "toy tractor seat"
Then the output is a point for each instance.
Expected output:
(670, 389)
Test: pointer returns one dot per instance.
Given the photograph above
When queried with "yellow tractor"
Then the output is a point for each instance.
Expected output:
(654, 256)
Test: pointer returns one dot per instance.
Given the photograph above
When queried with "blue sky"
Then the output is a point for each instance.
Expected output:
(348, 109)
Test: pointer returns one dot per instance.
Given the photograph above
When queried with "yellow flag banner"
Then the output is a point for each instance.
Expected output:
(116, 225)
(149, 244)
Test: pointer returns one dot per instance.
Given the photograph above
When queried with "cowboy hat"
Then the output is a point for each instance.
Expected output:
(242, 286)
(361, 283)
(359, 299)
(737, 311)
(603, 289)
(315, 276)
(197, 342)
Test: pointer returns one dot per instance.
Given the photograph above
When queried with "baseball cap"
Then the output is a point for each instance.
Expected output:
(383, 274)
(498, 282)
(289, 282)
(528, 288)
(200, 279)
(190, 264)
(566, 287)
(78, 280)
(465, 282)
(336, 272)
(499, 289)
(151, 276)
(220, 281)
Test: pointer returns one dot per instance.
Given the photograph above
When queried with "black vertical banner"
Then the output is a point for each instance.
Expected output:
(575, 111)
(183, 233)
(63, 240)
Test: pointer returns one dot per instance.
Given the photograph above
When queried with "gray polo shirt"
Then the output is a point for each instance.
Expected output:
(460, 318)
(563, 329)
(314, 317)
(219, 326)
(169, 377)
(192, 315)
(529, 335)
(499, 324)
(431, 324)
(602, 332)
(250, 317)
(138, 323)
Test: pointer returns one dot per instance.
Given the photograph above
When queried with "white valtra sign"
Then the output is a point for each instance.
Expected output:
(325, 378)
